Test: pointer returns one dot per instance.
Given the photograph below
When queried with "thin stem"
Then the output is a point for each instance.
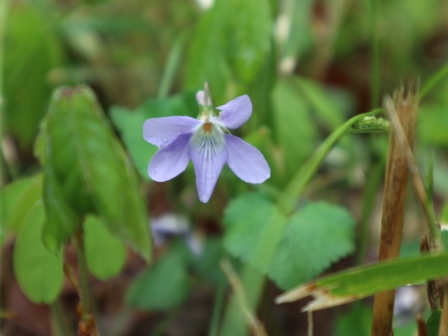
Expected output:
(299, 181)
(173, 62)
(433, 81)
(375, 78)
(372, 185)
(59, 322)
(217, 309)
(4, 6)
(242, 300)
(253, 282)
(87, 325)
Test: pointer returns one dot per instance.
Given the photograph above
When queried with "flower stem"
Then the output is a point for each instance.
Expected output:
(299, 181)
(87, 325)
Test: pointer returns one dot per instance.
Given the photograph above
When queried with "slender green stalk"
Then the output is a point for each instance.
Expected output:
(174, 59)
(373, 183)
(83, 277)
(298, 183)
(4, 6)
(217, 309)
(60, 326)
(87, 320)
(434, 80)
(242, 304)
(253, 283)
(375, 45)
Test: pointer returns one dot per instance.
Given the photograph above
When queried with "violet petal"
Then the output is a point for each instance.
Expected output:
(161, 131)
(208, 153)
(246, 161)
(171, 160)
(235, 113)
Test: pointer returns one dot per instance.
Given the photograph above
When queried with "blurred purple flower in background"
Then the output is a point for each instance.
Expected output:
(207, 143)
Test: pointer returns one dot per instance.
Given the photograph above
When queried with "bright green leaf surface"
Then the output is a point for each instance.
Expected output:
(248, 35)
(86, 171)
(228, 40)
(292, 119)
(163, 286)
(38, 271)
(206, 55)
(105, 253)
(130, 125)
(368, 280)
(17, 199)
(290, 249)
(302, 254)
(254, 228)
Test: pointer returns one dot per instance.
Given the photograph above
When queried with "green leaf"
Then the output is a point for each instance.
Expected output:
(206, 55)
(33, 49)
(86, 171)
(38, 271)
(294, 126)
(249, 25)
(105, 253)
(130, 125)
(315, 237)
(297, 42)
(17, 199)
(254, 229)
(362, 281)
(433, 323)
(163, 286)
(290, 250)
(232, 38)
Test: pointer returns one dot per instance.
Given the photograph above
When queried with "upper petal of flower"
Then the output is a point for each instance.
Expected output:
(161, 131)
(235, 113)
(208, 153)
(246, 161)
(171, 160)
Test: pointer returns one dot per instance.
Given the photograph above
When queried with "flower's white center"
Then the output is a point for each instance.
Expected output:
(208, 138)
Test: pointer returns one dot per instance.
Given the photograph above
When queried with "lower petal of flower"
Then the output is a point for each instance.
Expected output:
(246, 161)
(171, 160)
(208, 153)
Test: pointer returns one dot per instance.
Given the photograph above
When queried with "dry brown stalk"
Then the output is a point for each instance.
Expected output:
(395, 187)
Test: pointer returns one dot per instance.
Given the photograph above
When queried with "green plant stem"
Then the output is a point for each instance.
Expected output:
(174, 59)
(60, 326)
(375, 73)
(373, 182)
(87, 316)
(4, 7)
(83, 280)
(299, 181)
(217, 308)
(433, 81)
(253, 283)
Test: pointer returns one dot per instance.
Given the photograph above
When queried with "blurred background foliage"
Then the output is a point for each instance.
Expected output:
(307, 65)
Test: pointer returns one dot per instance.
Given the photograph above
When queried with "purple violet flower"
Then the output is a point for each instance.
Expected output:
(207, 142)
